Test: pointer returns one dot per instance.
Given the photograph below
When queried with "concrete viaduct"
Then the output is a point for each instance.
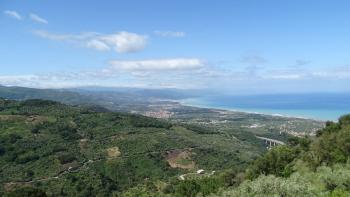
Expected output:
(270, 142)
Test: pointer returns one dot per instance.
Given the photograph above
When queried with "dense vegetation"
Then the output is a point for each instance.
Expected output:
(48, 148)
(305, 167)
(51, 149)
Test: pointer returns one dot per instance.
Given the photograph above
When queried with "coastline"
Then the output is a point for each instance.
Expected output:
(191, 104)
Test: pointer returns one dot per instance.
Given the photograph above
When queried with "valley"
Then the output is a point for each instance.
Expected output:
(97, 150)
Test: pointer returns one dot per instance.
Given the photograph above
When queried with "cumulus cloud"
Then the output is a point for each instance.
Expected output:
(170, 33)
(178, 64)
(37, 18)
(121, 42)
(13, 14)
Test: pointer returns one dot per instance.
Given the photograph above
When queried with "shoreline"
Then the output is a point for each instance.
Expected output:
(183, 103)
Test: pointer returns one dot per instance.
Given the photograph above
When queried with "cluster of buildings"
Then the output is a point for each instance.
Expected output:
(159, 114)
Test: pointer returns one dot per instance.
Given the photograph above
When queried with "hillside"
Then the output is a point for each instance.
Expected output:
(48, 148)
(151, 103)
(78, 151)
(23, 93)
(304, 168)
(115, 99)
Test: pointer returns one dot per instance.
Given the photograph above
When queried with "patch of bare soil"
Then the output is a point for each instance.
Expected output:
(113, 152)
(36, 119)
(83, 144)
(180, 159)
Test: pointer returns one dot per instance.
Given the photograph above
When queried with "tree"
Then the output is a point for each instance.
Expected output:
(276, 161)
(188, 188)
(27, 192)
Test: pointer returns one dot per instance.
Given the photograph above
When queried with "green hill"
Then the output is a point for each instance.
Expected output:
(304, 167)
(22, 93)
(50, 148)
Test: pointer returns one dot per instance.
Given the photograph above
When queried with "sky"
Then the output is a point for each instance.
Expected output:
(239, 47)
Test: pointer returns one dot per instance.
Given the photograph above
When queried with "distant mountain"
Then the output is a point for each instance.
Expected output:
(23, 93)
(97, 95)
(166, 93)
(116, 99)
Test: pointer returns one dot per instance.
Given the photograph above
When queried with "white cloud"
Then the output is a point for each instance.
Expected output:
(13, 14)
(327, 73)
(66, 37)
(37, 18)
(98, 45)
(285, 76)
(179, 64)
(183, 73)
(125, 42)
(121, 42)
(170, 33)
(339, 72)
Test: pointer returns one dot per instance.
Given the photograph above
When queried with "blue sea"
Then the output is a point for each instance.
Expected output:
(318, 106)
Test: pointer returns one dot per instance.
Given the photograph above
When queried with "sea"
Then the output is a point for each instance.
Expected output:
(317, 106)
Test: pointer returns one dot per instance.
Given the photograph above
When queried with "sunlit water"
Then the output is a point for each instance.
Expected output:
(315, 106)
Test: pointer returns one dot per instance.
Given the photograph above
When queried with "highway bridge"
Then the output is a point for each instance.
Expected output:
(270, 142)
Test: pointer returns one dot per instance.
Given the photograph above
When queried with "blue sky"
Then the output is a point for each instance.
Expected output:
(233, 46)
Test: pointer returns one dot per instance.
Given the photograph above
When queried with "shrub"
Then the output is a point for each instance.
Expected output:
(188, 188)
(276, 161)
(27, 192)
(27, 158)
(344, 120)
(273, 186)
(331, 148)
(66, 158)
(2, 150)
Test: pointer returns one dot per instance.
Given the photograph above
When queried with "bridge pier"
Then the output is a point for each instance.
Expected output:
(271, 142)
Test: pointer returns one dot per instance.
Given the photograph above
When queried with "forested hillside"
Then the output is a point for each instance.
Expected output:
(58, 150)
(51, 149)
(305, 167)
